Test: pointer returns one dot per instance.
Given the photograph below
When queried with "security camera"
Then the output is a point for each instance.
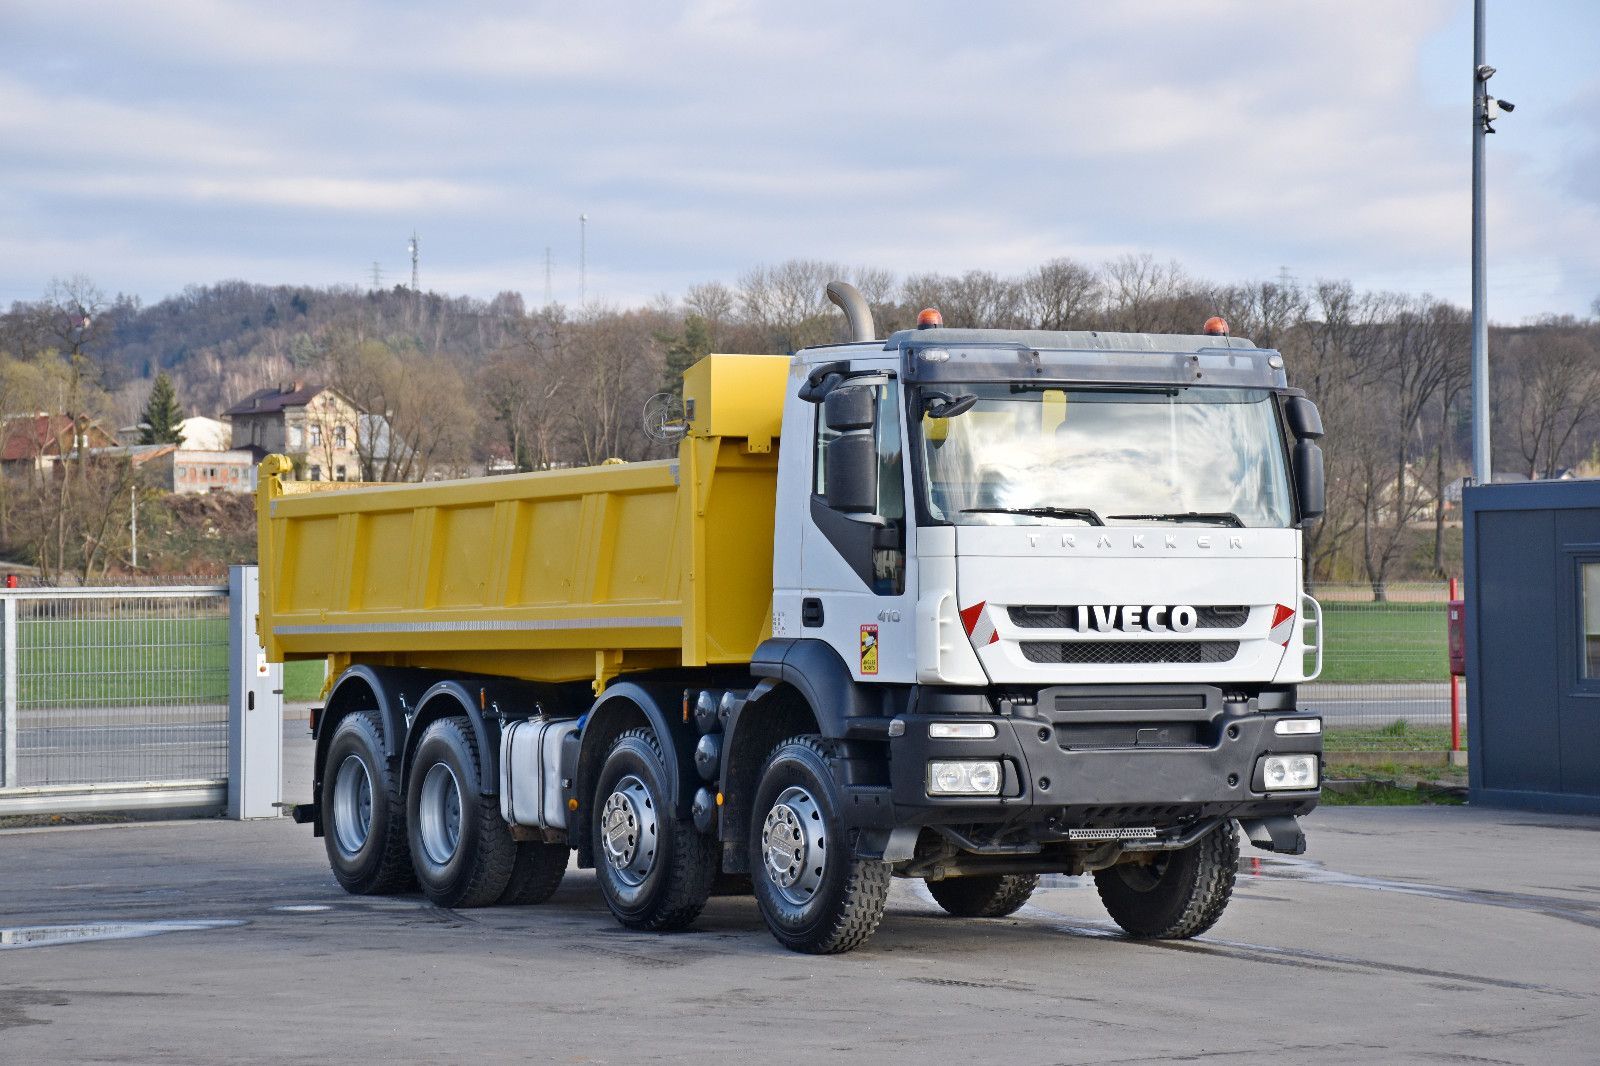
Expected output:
(1485, 72)
(1507, 106)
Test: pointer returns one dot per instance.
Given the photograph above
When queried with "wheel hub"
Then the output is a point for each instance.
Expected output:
(793, 845)
(439, 814)
(628, 830)
(352, 805)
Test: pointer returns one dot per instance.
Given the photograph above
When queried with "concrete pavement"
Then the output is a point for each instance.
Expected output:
(1407, 934)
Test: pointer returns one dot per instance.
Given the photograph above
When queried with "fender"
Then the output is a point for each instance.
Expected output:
(677, 738)
(818, 673)
(394, 691)
(446, 699)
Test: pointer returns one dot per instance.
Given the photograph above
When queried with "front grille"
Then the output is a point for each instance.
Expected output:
(1037, 616)
(1129, 652)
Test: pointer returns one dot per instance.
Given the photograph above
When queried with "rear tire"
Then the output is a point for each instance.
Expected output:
(461, 849)
(988, 896)
(364, 816)
(815, 895)
(1178, 894)
(655, 869)
(536, 873)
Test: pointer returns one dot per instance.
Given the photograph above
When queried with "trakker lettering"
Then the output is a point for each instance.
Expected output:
(1134, 619)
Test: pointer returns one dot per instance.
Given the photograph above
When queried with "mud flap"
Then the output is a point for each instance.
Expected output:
(1281, 834)
(887, 845)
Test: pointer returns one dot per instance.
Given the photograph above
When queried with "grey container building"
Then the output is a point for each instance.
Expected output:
(1533, 644)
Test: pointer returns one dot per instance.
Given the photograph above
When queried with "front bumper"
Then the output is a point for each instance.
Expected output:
(1104, 758)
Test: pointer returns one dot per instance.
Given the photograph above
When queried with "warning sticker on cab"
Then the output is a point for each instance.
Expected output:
(869, 649)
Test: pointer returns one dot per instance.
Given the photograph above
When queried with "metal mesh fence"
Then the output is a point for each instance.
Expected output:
(1385, 681)
(116, 685)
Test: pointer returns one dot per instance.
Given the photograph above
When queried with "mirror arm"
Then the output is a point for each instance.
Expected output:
(818, 384)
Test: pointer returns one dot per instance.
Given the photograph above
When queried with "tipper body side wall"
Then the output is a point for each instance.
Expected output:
(559, 575)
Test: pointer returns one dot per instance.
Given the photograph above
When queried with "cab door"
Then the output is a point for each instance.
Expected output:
(856, 561)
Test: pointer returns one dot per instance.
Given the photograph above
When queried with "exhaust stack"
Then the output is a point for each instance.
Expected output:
(856, 311)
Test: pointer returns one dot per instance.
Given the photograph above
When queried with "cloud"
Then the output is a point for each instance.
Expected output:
(705, 137)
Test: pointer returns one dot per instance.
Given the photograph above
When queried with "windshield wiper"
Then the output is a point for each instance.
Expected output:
(1220, 518)
(1082, 514)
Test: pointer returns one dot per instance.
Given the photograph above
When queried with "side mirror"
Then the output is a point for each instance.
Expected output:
(1309, 480)
(852, 474)
(1305, 421)
(851, 471)
(849, 408)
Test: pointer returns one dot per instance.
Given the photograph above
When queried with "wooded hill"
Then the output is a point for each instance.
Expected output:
(466, 381)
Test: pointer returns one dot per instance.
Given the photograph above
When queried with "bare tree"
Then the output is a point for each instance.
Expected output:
(1061, 294)
(1549, 386)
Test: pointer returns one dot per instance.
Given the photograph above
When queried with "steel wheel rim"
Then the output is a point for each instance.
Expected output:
(628, 831)
(794, 846)
(352, 805)
(439, 814)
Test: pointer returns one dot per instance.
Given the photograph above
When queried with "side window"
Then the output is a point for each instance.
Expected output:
(1589, 590)
(886, 435)
(888, 519)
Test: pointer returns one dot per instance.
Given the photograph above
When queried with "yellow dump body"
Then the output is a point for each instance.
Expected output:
(560, 575)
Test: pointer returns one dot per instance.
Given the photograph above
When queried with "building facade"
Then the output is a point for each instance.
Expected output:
(314, 425)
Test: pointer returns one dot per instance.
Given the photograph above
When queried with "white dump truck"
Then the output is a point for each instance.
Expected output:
(963, 605)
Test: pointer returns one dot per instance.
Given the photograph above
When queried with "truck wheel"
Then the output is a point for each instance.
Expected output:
(536, 873)
(365, 828)
(461, 849)
(989, 896)
(1178, 894)
(814, 894)
(655, 870)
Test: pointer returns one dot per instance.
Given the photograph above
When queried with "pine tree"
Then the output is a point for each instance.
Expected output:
(161, 414)
(683, 352)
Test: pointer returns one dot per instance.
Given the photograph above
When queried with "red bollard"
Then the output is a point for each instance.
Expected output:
(1458, 661)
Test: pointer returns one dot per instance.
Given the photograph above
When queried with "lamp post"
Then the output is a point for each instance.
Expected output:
(1485, 109)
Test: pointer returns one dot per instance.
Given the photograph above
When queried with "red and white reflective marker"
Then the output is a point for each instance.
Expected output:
(1282, 624)
(975, 620)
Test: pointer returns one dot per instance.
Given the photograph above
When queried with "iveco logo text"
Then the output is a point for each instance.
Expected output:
(1146, 540)
(1136, 619)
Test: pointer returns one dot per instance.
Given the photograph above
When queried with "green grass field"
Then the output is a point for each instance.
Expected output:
(109, 662)
(1384, 642)
(144, 660)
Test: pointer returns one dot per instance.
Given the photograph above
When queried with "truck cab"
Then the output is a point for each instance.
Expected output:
(1066, 568)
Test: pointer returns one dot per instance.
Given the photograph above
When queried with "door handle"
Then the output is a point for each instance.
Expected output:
(811, 612)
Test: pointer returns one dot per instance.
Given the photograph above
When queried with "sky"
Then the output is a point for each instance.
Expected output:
(152, 146)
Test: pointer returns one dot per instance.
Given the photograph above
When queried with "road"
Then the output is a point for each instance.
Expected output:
(1393, 940)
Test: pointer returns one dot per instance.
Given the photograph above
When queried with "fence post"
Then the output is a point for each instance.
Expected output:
(11, 776)
(255, 707)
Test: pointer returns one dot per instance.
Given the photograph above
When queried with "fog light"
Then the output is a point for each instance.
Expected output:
(965, 777)
(1289, 772)
(1296, 727)
(961, 730)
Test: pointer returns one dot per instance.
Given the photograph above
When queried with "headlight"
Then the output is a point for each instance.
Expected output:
(961, 730)
(964, 777)
(1290, 773)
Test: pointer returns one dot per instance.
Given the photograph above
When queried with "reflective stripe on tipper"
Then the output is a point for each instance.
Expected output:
(491, 626)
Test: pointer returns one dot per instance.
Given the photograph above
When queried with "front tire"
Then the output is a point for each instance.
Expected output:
(987, 896)
(1176, 895)
(364, 828)
(655, 870)
(461, 849)
(815, 895)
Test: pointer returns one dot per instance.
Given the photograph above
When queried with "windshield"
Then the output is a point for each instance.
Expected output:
(1041, 455)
